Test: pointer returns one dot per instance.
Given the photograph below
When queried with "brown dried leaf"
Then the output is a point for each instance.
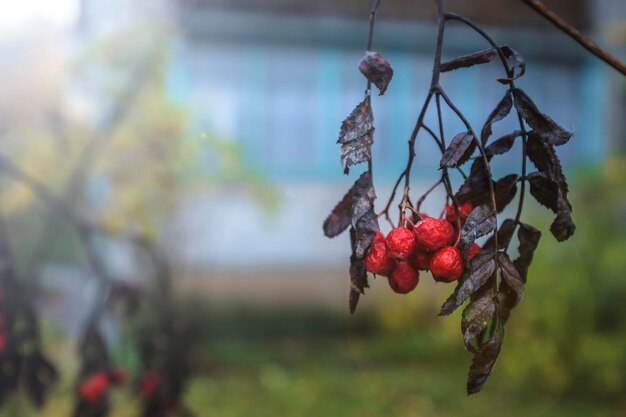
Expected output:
(502, 145)
(356, 136)
(505, 190)
(500, 112)
(481, 221)
(511, 276)
(528, 241)
(519, 64)
(477, 315)
(459, 151)
(341, 216)
(543, 126)
(377, 70)
(482, 57)
(485, 359)
(481, 269)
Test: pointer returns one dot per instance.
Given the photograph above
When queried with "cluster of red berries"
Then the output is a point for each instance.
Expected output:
(93, 388)
(430, 244)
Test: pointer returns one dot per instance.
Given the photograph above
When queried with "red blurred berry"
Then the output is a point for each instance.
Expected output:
(3, 342)
(464, 210)
(447, 264)
(93, 389)
(404, 278)
(377, 260)
(149, 384)
(431, 234)
(118, 376)
(421, 259)
(472, 251)
(401, 243)
(378, 237)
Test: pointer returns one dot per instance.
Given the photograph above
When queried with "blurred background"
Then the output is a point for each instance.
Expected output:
(209, 127)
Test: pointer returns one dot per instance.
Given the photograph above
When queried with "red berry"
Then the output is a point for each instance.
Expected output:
(377, 261)
(472, 251)
(3, 342)
(93, 389)
(464, 210)
(404, 278)
(401, 243)
(378, 237)
(452, 232)
(431, 234)
(149, 384)
(447, 264)
(421, 259)
(118, 376)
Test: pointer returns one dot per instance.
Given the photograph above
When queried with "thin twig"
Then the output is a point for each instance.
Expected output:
(575, 34)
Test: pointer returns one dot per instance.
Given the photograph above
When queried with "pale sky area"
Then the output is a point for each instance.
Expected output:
(18, 13)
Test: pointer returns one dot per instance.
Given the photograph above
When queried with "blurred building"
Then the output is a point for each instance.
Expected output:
(278, 76)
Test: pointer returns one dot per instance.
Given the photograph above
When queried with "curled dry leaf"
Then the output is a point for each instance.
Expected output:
(465, 61)
(528, 238)
(518, 64)
(377, 70)
(356, 136)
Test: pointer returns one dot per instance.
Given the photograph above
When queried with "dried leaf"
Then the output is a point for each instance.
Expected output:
(477, 315)
(364, 220)
(528, 241)
(481, 221)
(544, 190)
(502, 145)
(505, 190)
(358, 275)
(465, 61)
(542, 125)
(500, 112)
(460, 150)
(377, 70)
(481, 269)
(518, 67)
(563, 226)
(544, 156)
(476, 186)
(356, 136)
(511, 276)
(484, 360)
(341, 216)
(364, 227)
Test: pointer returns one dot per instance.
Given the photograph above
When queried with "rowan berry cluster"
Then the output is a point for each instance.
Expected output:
(94, 388)
(428, 245)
